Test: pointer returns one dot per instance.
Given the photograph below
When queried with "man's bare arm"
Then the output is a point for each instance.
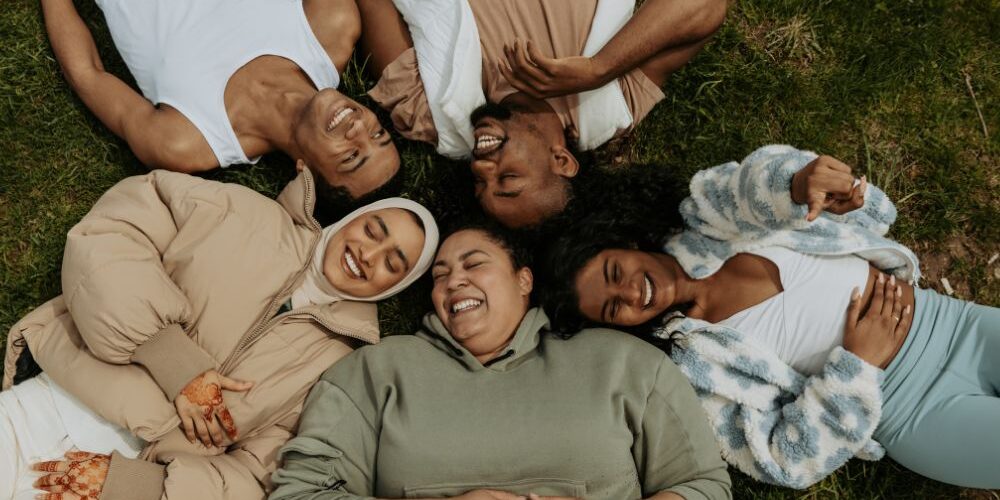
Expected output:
(659, 38)
(158, 139)
(384, 34)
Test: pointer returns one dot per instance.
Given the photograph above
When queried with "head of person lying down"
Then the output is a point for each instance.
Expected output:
(600, 274)
(482, 290)
(522, 161)
(344, 143)
(371, 254)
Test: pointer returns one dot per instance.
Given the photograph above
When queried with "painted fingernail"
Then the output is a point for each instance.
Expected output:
(906, 310)
(899, 290)
(881, 278)
(856, 294)
(892, 279)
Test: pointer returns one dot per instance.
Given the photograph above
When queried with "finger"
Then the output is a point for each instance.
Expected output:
(835, 164)
(50, 496)
(538, 59)
(837, 185)
(890, 296)
(817, 203)
(854, 308)
(233, 384)
(48, 480)
(51, 466)
(215, 431)
(897, 306)
(187, 424)
(522, 65)
(202, 430)
(516, 81)
(226, 419)
(904, 321)
(79, 455)
(878, 295)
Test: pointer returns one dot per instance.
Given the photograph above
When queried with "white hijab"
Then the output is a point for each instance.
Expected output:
(316, 289)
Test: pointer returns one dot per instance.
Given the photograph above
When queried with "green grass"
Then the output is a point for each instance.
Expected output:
(881, 85)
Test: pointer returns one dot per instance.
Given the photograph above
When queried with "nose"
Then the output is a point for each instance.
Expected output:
(355, 130)
(632, 293)
(457, 279)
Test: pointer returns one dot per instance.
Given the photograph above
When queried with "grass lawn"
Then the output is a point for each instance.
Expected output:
(907, 91)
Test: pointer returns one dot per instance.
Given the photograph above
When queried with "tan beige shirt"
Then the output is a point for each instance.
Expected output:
(558, 28)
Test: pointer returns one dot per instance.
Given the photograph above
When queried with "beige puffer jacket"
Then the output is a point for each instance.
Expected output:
(170, 275)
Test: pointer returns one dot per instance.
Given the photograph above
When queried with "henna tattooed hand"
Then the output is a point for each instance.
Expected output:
(80, 477)
(202, 409)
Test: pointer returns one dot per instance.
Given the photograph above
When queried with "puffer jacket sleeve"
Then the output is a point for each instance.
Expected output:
(333, 455)
(676, 450)
(776, 425)
(242, 473)
(122, 299)
(753, 197)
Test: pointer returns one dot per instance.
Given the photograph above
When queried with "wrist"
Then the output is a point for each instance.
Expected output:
(797, 189)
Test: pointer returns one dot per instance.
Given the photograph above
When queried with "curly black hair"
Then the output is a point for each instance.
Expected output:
(633, 209)
(333, 203)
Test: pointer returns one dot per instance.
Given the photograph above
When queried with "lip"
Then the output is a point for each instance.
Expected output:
(347, 268)
(647, 279)
(450, 304)
(487, 129)
(336, 120)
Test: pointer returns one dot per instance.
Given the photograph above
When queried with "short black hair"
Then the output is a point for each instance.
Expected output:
(509, 240)
(334, 202)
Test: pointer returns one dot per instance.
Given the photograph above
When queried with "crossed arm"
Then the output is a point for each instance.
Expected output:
(160, 138)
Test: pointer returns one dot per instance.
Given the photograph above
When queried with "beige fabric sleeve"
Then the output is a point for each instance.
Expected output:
(133, 479)
(113, 278)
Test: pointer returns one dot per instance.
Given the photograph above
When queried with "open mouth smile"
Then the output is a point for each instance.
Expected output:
(464, 305)
(351, 267)
(339, 118)
(648, 290)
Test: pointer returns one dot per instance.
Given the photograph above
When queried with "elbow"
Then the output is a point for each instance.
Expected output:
(707, 17)
(178, 155)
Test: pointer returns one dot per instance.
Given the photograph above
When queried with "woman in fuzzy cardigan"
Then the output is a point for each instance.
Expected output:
(797, 322)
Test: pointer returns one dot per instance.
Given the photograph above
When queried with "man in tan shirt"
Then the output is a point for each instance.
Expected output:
(532, 72)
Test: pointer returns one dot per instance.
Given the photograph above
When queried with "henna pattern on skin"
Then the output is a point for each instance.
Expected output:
(209, 398)
(84, 476)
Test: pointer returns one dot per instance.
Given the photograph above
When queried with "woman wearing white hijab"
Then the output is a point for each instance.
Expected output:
(178, 292)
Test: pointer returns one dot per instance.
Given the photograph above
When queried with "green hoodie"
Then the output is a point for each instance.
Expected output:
(601, 415)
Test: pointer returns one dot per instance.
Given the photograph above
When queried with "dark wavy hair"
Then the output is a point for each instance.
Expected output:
(583, 239)
(333, 203)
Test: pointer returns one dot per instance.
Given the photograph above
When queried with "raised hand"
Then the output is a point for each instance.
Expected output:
(828, 184)
(541, 77)
(80, 477)
(877, 335)
(202, 410)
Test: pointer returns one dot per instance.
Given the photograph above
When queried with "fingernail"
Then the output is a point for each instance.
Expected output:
(881, 278)
(892, 279)
(899, 290)
(856, 294)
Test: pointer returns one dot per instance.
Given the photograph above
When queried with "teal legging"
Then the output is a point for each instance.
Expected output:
(941, 394)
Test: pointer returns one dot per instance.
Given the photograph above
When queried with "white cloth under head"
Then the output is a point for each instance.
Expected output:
(446, 41)
(316, 289)
(39, 421)
(803, 323)
(183, 52)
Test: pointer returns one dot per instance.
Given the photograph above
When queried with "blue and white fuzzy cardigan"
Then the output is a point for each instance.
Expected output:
(772, 422)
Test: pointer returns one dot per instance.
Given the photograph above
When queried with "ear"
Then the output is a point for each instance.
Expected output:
(300, 165)
(525, 280)
(563, 163)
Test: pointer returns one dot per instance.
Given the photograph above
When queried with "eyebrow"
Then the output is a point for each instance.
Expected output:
(381, 224)
(508, 194)
(604, 307)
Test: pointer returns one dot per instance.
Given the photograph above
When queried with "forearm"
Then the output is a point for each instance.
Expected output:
(71, 41)
(659, 25)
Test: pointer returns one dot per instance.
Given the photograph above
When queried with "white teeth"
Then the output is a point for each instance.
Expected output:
(484, 142)
(353, 265)
(465, 305)
(649, 291)
(338, 118)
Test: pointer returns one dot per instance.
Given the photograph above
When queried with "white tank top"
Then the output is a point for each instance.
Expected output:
(803, 323)
(183, 52)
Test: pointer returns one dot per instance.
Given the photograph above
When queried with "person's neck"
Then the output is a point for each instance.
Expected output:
(687, 290)
(271, 104)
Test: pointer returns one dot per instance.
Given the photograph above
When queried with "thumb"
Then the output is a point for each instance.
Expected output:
(854, 309)
(234, 385)
(817, 203)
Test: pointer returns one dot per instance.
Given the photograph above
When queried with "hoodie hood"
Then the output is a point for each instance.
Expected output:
(521, 347)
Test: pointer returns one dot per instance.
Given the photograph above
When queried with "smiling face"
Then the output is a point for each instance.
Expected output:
(344, 142)
(373, 252)
(626, 287)
(521, 165)
(478, 294)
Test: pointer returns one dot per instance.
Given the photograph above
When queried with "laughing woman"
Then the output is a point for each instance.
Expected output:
(804, 351)
(226, 81)
(485, 403)
(195, 316)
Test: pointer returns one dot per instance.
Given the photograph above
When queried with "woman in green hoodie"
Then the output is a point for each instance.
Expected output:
(484, 403)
